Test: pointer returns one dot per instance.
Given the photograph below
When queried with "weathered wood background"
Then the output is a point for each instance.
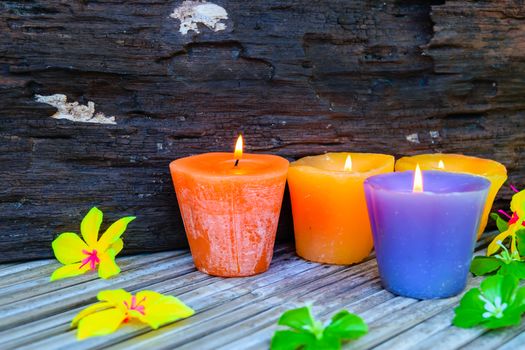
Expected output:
(298, 77)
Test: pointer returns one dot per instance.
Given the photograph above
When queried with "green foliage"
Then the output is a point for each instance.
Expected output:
(309, 334)
(500, 223)
(507, 262)
(499, 302)
(483, 265)
(520, 239)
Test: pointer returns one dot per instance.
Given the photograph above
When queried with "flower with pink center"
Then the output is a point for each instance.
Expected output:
(92, 251)
(136, 306)
(116, 307)
(92, 259)
(512, 219)
(515, 223)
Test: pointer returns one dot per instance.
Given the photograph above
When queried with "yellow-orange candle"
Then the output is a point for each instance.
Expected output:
(495, 172)
(328, 202)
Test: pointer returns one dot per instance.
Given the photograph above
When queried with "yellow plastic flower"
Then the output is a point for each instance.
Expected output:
(80, 256)
(517, 204)
(516, 222)
(118, 306)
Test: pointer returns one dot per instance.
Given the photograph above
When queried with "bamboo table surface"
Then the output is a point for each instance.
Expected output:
(234, 313)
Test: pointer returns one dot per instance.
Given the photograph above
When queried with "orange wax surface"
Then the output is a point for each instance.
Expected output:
(495, 172)
(230, 213)
(329, 210)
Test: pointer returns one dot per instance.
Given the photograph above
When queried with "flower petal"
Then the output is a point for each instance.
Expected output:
(89, 310)
(69, 271)
(90, 226)
(162, 310)
(68, 248)
(100, 323)
(517, 204)
(115, 296)
(494, 246)
(107, 266)
(117, 246)
(114, 232)
(150, 297)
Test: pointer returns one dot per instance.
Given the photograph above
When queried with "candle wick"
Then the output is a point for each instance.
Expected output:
(236, 162)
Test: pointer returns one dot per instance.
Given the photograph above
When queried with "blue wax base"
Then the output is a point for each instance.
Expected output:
(419, 287)
(424, 241)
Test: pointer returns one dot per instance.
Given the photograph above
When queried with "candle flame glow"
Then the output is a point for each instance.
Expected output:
(418, 180)
(441, 165)
(348, 163)
(237, 155)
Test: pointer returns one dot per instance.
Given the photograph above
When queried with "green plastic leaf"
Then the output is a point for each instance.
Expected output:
(493, 287)
(520, 238)
(291, 340)
(500, 223)
(520, 299)
(346, 326)
(499, 302)
(516, 268)
(515, 302)
(512, 318)
(300, 319)
(309, 334)
(339, 315)
(325, 343)
(470, 310)
(481, 265)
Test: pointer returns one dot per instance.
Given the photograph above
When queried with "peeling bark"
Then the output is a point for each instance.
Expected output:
(296, 77)
(191, 13)
(74, 111)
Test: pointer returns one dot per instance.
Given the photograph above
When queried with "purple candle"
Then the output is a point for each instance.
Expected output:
(424, 240)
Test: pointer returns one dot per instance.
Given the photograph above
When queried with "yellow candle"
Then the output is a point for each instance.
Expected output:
(328, 202)
(495, 172)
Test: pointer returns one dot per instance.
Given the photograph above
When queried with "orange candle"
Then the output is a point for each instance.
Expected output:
(328, 202)
(495, 172)
(230, 205)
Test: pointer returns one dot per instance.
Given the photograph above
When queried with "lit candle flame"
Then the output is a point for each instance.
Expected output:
(348, 163)
(441, 165)
(418, 180)
(237, 154)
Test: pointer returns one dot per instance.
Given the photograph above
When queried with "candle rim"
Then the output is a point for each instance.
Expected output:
(483, 184)
(345, 173)
(273, 170)
(497, 169)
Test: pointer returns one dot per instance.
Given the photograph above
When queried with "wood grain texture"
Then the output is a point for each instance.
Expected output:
(296, 77)
(233, 313)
